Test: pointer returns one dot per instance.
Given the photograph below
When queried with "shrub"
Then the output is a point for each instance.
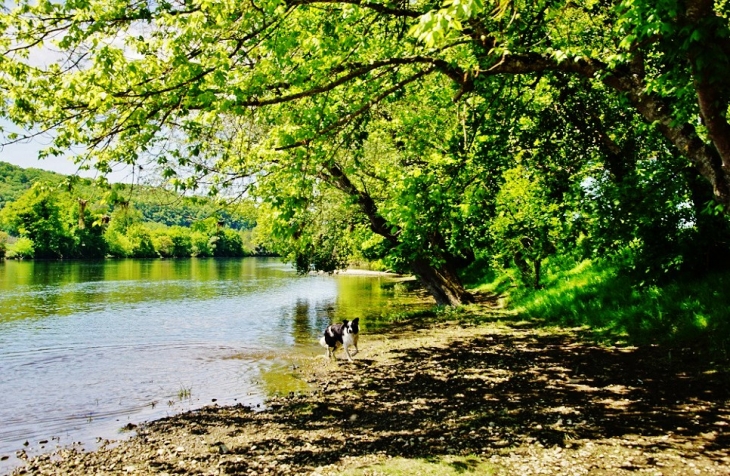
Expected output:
(141, 243)
(163, 245)
(23, 248)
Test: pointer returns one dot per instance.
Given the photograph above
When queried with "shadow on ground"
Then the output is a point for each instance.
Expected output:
(492, 393)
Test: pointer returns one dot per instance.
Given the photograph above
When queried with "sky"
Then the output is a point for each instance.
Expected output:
(25, 154)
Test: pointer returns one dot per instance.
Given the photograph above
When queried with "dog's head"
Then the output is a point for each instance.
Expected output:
(351, 327)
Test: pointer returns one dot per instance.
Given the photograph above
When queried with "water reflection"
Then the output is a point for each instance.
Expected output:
(86, 347)
(35, 289)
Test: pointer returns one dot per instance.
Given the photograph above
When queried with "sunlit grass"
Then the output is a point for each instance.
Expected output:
(609, 305)
(682, 312)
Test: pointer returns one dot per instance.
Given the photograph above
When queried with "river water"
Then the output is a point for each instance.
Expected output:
(89, 347)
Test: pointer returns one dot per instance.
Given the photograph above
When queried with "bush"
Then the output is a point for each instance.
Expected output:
(23, 248)
(140, 240)
(202, 244)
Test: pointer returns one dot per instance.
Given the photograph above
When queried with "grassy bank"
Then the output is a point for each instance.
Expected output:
(684, 312)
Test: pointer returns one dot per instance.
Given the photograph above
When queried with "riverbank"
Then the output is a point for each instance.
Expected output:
(469, 395)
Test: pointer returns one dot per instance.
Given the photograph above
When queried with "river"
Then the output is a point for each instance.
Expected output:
(87, 348)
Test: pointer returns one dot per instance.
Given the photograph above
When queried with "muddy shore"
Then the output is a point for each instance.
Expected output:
(467, 396)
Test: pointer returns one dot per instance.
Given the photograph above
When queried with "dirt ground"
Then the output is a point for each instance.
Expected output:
(452, 397)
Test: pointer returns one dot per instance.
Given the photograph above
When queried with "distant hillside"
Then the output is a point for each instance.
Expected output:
(15, 180)
(156, 205)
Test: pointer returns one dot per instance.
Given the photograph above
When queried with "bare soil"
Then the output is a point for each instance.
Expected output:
(472, 398)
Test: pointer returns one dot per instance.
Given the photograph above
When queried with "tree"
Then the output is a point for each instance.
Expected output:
(87, 232)
(420, 186)
(527, 225)
(164, 245)
(121, 222)
(37, 216)
(212, 92)
(201, 245)
(141, 243)
(307, 223)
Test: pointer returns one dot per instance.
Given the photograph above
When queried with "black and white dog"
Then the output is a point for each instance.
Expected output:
(344, 335)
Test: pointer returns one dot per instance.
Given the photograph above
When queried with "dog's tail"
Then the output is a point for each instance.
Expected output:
(323, 342)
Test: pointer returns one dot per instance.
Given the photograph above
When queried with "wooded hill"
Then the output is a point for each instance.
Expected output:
(14, 180)
(57, 216)
(155, 204)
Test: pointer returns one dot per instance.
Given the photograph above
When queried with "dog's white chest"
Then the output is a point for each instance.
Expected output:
(349, 340)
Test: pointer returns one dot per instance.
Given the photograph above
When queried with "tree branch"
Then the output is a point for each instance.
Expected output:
(334, 175)
(378, 7)
(456, 74)
(346, 119)
(653, 109)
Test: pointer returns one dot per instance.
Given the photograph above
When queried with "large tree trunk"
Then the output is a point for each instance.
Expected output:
(442, 283)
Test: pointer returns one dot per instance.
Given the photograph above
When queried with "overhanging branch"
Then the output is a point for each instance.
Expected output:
(353, 115)
(378, 7)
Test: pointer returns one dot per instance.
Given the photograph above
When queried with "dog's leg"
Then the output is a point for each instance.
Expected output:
(354, 340)
(347, 352)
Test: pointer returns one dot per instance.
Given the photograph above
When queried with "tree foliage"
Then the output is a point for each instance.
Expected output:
(155, 203)
(3, 244)
(422, 133)
(38, 217)
(52, 222)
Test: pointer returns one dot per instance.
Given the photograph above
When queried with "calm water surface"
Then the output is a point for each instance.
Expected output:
(88, 347)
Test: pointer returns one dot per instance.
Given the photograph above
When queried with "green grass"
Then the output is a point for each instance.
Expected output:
(686, 311)
(184, 392)
(384, 322)
(436, 466)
